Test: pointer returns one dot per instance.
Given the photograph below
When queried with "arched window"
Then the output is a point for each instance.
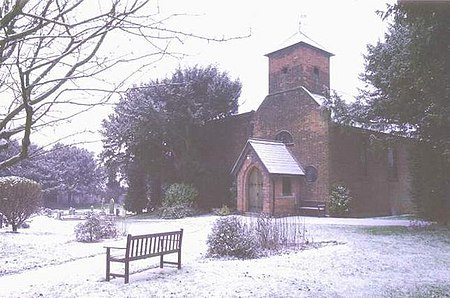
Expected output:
(311, 174)
(284, 137)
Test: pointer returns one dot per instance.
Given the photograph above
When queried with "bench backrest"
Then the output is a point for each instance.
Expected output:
(311, 203)
(143, 246)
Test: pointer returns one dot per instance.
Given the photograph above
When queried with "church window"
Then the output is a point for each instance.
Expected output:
(286, 186)
(392, 163)
(316, 76)
(285, 137)
(311, 174)
(363, 158)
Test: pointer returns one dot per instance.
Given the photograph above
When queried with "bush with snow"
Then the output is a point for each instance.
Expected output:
(19, 199)
(95, 228)
(177, 211)
(339, 201)
(223, 211)
(178, 201)
(249, 237)
(231, 237)
(180, 194)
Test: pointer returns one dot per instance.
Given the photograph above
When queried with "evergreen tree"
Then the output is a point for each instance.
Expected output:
(156, 125)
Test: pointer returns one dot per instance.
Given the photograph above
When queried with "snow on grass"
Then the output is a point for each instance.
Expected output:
(373, 258)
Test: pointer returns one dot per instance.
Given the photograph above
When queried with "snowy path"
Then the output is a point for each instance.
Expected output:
(88, 269)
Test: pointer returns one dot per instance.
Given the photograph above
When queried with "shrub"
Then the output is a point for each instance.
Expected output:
(230, 237)
(95, 228)
(339, 201)
(180, 194)
(224, 211)
(278, 233)
(267, 232)
(178, 201)
(176, 211)
(256, 236)
(19, 199)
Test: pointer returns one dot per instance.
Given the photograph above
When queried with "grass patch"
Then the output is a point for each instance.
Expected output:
(433, 233)
(386, 230)
(400, 217)
(422, 291)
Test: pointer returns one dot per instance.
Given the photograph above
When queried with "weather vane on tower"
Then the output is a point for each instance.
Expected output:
(300, 23)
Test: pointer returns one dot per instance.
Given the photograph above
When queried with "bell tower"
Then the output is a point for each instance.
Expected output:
(297, 65)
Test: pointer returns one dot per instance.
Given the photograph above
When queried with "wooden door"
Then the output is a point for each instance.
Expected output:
(255, 191)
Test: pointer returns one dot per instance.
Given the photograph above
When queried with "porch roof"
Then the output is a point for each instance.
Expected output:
(275, 157)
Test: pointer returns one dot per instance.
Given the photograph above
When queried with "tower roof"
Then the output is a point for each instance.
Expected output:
(300, 44)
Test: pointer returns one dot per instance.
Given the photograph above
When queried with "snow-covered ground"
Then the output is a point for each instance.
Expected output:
(372, 258)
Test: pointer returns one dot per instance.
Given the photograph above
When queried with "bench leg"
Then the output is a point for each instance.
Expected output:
(108, 264)
(127, 272)
(161, 261)
(179, 259)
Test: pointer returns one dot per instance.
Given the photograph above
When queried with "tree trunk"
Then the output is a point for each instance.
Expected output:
(14, 227)
(156, 196)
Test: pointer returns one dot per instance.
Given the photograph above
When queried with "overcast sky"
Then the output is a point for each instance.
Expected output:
(343, 28)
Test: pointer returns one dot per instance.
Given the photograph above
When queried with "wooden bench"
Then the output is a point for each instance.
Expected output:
(308, 206)
(145, 246)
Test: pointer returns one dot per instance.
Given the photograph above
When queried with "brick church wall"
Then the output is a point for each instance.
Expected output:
(299, 65)
(373, 191)
(286, 205)
(296, 112)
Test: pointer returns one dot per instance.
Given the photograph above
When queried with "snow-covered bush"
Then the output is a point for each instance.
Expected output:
(95, 228)
(339, 201)
(224, 211)
(231, 237)
(178, 201)
(180, 194)
(19, 199)
(177, 211)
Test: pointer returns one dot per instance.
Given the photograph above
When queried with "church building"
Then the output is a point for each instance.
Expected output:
(289, 150)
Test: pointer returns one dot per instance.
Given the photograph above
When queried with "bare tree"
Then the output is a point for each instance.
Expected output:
(48, 46)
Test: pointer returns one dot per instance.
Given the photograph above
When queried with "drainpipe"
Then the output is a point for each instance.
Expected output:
(273, 197)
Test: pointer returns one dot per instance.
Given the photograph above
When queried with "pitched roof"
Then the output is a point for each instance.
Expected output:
(302, 43)
(275, 157)
(320, 99)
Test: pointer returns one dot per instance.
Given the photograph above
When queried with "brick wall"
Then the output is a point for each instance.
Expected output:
(299, 65)
(286, 205)
(296, 112)
(373, 191)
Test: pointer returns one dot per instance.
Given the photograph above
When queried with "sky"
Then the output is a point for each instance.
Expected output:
(344, 28)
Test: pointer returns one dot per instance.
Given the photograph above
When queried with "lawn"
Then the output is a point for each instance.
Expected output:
(363, 258)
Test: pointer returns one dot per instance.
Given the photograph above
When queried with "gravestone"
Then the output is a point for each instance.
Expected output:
(111, 207)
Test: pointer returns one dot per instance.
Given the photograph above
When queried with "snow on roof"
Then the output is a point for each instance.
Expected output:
(320, 99)
(275, 156)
